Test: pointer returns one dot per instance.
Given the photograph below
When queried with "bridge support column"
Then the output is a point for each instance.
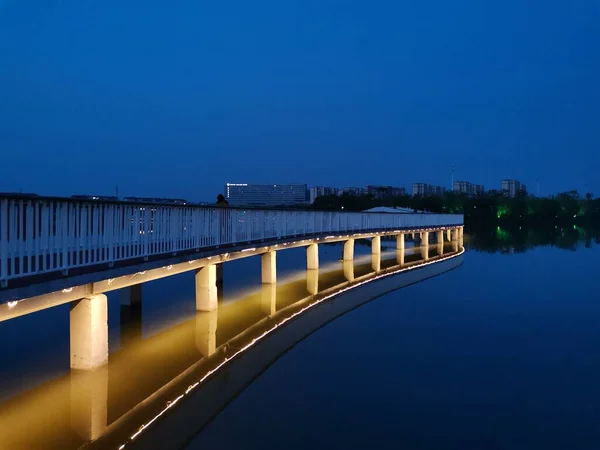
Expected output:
(376, 262)
(439, 237)
(440, 248)
(269, 267)
(448, 234)
(312, 281)
(89, 332)
(89, 403)
(132, 295)
(425, 238)
(349, 250)
(461, 231)
(268, 298)
(376, 245)
(400, 242)
(349, 270)
(206, 288)
(312, 256)
(412, 235)
(455, 234)
(206, 332)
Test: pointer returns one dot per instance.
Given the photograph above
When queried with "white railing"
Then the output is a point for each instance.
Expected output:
(41, 235)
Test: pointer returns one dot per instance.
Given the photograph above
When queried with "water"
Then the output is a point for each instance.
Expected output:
(501, 352)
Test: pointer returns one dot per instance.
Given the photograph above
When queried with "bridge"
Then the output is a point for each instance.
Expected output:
(55, 251)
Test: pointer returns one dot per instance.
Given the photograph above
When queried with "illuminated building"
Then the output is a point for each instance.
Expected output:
(244, 194)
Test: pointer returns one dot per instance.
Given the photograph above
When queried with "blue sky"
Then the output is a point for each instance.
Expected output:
(176, 98)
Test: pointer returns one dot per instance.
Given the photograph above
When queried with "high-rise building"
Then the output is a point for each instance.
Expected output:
(381, 192)
(427, 189)
(512, 188)
(243, 194)
(465, 187)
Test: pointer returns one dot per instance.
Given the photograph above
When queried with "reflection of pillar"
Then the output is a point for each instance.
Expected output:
(425, 252)
(89, 403)
(455, 246)
(312, 281)
(206, 288)
(89, 332)
(349, 250)
(130, 324)
(206, 331)
(400, 257)
(461, 242)
(440, 248)
(400, 242)
(269, 267)
(132, 295)
(312, 256)
(349, 270)
(268, 298)
(448, 234)
(376, 245)
(439, 236)
(376, 262)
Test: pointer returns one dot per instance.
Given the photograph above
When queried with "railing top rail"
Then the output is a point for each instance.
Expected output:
(40, 198)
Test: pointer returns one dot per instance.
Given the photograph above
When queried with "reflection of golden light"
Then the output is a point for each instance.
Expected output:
(279, 324)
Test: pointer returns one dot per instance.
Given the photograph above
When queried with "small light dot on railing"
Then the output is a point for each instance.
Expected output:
(66, 291)
(12, 304)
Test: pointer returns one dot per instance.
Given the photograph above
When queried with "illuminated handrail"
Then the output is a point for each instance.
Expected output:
(42, 235)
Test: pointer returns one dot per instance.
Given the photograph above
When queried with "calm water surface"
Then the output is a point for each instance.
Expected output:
(503, 353)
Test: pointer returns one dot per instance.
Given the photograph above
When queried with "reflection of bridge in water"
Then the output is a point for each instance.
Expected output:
(160, 391)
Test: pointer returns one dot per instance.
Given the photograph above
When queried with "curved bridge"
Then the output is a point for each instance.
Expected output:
(205, 362)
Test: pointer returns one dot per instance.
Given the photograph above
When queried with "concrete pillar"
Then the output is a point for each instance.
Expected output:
(312, 281)
(461, 232)
(132, 295)
(206, 288)
(455, 246)
(89, 332)
(455, 234)
(449, 234)
(400, 257)
(440, 248)
(312, 256)
(400, 242)
(425, 238)
(425, 252)
(412, 236)
(376, 245)
(439, 237)
(268, 298)
(349, 250)
(349, 270)
(89, 403)
(269, 268)
(206, 332)
(376, 262)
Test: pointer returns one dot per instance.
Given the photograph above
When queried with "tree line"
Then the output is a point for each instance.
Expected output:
(492, 207)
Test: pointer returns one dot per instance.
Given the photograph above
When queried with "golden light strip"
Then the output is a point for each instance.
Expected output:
(190, 388)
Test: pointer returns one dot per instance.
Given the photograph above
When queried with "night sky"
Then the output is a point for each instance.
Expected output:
(175, 98)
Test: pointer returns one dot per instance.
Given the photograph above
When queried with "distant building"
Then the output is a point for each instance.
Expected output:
(323, 191)
(382, 192)
(427, 189)
(244, 194)
(464, 187)
(512, 188)
(175, 201)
